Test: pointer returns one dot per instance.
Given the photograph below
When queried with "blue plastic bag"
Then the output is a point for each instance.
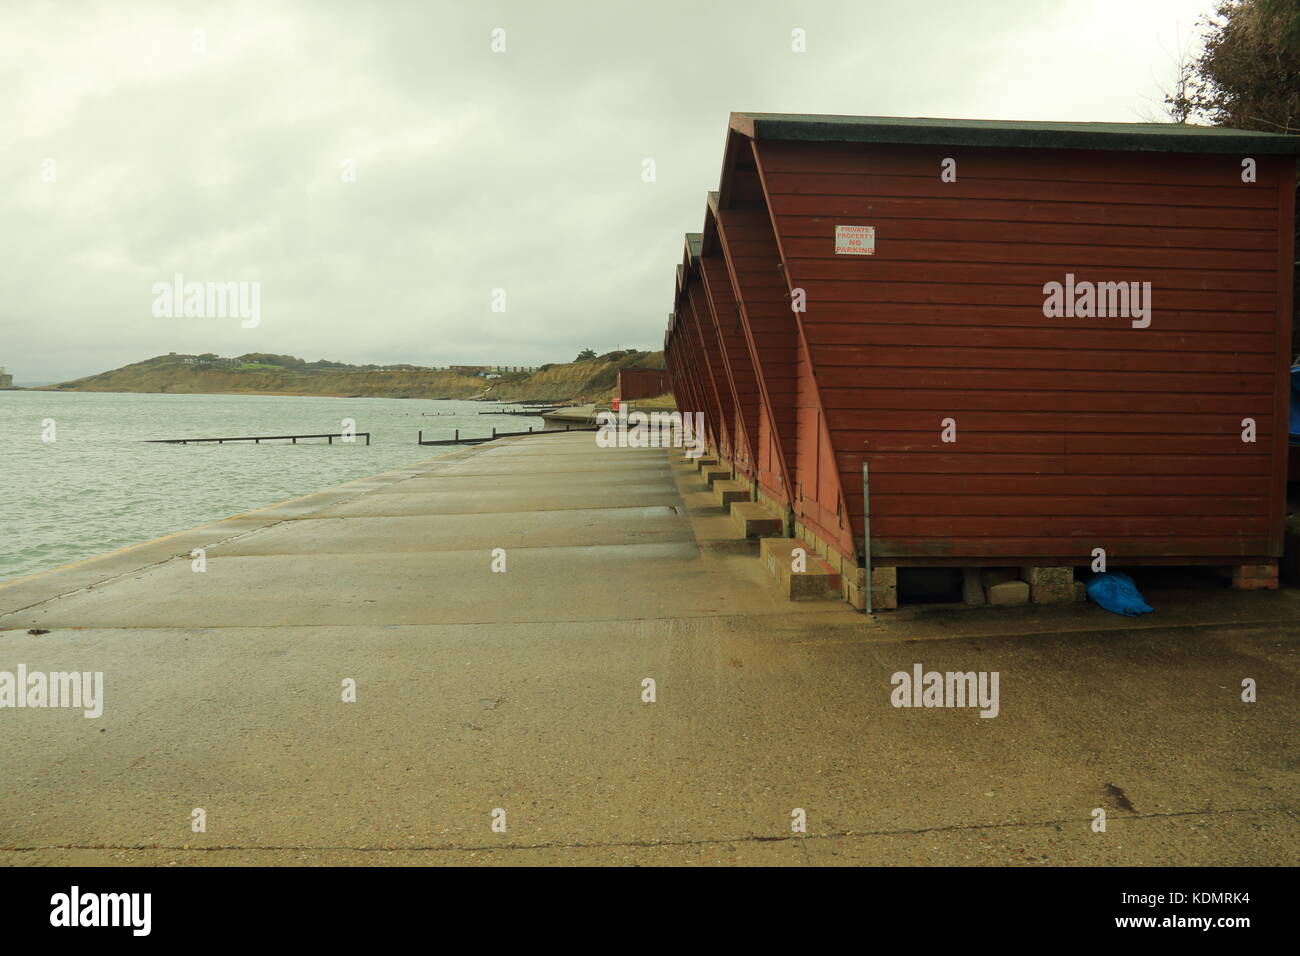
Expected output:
(1116, 592)
(1294, 431)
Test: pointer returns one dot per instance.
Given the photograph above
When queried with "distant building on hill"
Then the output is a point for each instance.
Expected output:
(490, 371)
(6, 380)
(634, 383)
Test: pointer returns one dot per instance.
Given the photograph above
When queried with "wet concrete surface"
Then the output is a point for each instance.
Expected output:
(522, 690)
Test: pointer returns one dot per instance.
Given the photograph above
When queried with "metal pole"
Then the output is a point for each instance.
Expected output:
(866, 531)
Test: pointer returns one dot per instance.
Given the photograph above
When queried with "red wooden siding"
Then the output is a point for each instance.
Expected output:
(702, 375)
(1072, 433)
(714, 372)
(749, 249)
(818, 499)
(737, 363)
(699, 402)
(686, 388)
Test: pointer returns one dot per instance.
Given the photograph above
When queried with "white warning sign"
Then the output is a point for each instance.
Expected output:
(855, 240)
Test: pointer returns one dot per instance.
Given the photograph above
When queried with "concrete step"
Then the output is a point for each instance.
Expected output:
(752, 520)
(815, 582)
(729, 491)
(715, 473)
(704, 461)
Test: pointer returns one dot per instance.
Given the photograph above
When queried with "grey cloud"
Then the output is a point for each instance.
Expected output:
(474, 170)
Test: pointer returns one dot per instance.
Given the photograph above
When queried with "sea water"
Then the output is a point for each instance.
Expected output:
(96, 484)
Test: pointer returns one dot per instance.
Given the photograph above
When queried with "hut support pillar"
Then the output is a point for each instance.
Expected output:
(1254, 577)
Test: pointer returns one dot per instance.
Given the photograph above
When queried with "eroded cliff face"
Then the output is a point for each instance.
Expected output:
(592, 380)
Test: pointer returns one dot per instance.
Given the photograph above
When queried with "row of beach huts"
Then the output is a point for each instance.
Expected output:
(1022, 351)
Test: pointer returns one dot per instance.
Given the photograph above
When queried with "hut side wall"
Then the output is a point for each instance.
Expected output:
(1072, 433)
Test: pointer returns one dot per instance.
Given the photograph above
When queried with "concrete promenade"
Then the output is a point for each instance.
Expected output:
(522, 690)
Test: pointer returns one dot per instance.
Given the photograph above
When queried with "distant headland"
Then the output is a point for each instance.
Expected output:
(590, 377)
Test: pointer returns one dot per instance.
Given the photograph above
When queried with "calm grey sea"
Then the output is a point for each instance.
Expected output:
(98, 486)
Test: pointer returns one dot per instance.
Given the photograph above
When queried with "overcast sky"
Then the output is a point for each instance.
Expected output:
(142, 140)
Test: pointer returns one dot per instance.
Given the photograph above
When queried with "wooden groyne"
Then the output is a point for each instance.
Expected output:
(457, 440)
(534, 412)
(258, 439)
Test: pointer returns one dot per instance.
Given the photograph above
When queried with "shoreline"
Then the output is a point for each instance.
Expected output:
(156, 544)
(105, 391)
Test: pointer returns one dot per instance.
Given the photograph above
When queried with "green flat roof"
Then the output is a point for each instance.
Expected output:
(1147, 137)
